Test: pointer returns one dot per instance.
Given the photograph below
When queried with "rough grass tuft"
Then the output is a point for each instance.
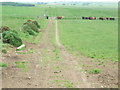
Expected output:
(3, 64)
(95, 71)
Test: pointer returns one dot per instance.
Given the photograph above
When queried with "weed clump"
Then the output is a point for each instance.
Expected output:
(95, 71)
(22, 65)
(3, 64)
(12, 38)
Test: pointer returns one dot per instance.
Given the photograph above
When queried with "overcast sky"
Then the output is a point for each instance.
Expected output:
(57, 0)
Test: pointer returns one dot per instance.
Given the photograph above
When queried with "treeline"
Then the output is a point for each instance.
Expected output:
(16, 4)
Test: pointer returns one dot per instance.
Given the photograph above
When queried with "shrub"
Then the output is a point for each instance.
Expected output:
(4, 28)
(12, 38)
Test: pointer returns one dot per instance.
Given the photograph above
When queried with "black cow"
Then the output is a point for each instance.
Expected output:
(107, 18)
(47, 17)
(112, 18)
(85, 17)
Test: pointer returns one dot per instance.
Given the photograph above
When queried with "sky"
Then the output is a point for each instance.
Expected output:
(57, 0)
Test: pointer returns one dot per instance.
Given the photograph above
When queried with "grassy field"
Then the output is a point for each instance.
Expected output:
(79, 11)
(14, 17)
(96, 39)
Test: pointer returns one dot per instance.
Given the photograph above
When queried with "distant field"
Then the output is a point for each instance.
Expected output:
(15, 16)
(80, 10)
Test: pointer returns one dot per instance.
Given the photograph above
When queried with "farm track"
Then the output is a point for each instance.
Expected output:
(51, 66)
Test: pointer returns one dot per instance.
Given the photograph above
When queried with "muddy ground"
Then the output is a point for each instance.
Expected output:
(52, 66)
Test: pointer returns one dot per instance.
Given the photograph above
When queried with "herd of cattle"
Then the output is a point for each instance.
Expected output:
(92, 18)
(101, 18)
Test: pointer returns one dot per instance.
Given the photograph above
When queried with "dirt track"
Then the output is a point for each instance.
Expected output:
(51, 66)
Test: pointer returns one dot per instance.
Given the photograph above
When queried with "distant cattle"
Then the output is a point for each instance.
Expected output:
(59, 17)
(112, 18)
(88, 18)
(85, 17)
(92, 18)
(47, 17)
(104, 18)
(107, 18)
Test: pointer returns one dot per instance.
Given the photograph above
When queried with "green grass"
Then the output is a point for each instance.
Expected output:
(37, 39)
(3, 64)
(57, 53)
(95, 71)
(22, 65)
(96, 39)
(14, 17)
